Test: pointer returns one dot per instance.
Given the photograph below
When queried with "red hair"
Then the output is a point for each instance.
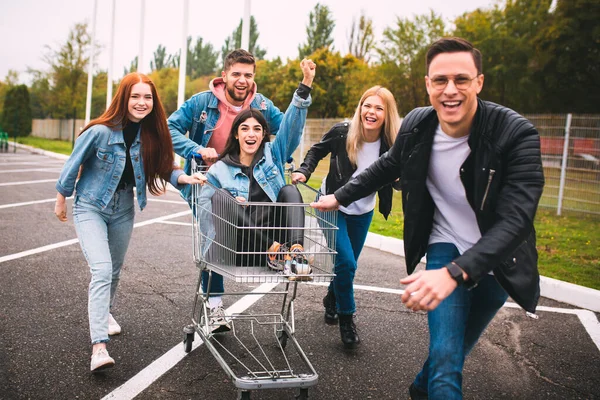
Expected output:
(157, 147)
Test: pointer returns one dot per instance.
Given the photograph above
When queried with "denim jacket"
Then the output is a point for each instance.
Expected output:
(101, 152)
(200, 113)
(269, 171)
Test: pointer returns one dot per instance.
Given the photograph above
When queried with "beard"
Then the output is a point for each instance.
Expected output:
(235, 96)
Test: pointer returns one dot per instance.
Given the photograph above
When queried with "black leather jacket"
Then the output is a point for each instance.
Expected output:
(503, 179)
(340, 167)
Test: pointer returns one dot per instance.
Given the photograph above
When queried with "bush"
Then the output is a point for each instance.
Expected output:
(16, 115)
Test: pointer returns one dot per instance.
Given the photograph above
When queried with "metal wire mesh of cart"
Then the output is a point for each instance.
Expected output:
(259, 242)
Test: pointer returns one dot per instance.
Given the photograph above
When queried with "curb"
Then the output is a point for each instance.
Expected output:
(554, 289)
(35, 150)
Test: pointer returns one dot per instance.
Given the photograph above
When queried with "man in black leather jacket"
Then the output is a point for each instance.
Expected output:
(471, 177)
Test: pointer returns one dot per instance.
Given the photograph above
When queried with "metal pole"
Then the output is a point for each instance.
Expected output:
(88, 100)
(246, 26)
(141, 49)
(74, 123)
(183, 61)
(183, 54)
(563, 167)
(111, 52)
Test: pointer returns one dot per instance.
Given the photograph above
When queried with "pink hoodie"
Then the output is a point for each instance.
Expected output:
(227, 113)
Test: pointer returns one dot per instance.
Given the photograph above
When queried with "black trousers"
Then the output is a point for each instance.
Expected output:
(254, 228)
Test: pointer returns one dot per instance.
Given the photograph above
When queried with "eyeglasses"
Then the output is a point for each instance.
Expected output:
(461, 82)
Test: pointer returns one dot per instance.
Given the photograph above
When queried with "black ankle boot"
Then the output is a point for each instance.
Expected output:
(331, 316)
(348, 331)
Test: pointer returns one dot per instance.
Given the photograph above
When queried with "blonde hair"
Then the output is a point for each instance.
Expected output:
(390, 127)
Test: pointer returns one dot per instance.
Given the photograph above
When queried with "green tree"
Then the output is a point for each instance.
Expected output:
(361, 38)
(235, 41)
(40, 95)
(98, 95)
(568, 48)
(11, 79)
(329, 88)
(506, 35)
(166, 81)
(402, 57)
(132, 66)
(201, 59)
(16, 113)
(67, 76)
(318, 31)
(161, 59)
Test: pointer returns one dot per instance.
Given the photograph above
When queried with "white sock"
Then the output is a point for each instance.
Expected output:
(215, 301)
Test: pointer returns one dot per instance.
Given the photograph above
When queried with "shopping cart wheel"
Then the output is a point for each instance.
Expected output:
(244, 395)
(188, 338)
(282, 336)
(303, 394)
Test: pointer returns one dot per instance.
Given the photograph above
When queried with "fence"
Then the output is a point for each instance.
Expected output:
(570, 147)
(60, 129)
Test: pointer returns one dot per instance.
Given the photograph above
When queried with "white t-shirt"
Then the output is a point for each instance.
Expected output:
(453, 219)
(367, 155)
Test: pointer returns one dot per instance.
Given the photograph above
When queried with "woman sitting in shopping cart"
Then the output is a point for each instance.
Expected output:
(251, 171)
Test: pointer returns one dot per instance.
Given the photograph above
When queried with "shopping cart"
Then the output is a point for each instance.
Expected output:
(233, 239)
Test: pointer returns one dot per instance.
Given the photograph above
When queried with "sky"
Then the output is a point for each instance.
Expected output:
(28, 26)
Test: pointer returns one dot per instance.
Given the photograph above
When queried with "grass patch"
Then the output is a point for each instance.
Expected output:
(569, 247)
(56, 146)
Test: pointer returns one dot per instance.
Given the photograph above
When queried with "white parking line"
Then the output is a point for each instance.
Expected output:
(28, 203)
(45, 162)
(176, 223)
(588, 318)
(146, 377)
(27, 182)
(168, 201)
(12, 171)
(49, 247)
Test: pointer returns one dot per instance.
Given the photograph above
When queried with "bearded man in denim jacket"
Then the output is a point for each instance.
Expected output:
(208, 115)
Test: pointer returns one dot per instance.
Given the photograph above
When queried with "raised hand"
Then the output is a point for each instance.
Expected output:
(308, 70)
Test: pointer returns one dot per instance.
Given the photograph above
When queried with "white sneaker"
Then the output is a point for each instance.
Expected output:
(101, 360)
(113, 327)
(218, 320)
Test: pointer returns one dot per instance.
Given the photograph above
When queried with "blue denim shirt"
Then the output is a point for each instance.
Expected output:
(101, 152)
(200, 113)
(269, 171)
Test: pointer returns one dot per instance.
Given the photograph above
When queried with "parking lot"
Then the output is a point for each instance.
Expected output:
(44, 336)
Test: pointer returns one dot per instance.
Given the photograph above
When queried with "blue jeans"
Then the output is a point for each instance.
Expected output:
(351, 236)
(104, 237)
(454, 327)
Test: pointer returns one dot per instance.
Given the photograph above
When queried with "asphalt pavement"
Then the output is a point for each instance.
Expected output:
(44, 335)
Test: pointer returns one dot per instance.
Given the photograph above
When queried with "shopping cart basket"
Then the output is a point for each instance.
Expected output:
(235, 239)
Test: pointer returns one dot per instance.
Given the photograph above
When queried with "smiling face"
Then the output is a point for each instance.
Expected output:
(239, 81)
(455, 107)
(250, 135)
(140, 102)
(372, 115)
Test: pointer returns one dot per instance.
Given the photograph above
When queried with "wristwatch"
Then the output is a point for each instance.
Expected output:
(456, 273)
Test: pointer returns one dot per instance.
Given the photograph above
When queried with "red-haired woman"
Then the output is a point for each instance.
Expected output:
(128, 146)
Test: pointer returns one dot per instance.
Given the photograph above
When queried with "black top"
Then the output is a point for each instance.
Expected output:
(255, 192)
(129, 133)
